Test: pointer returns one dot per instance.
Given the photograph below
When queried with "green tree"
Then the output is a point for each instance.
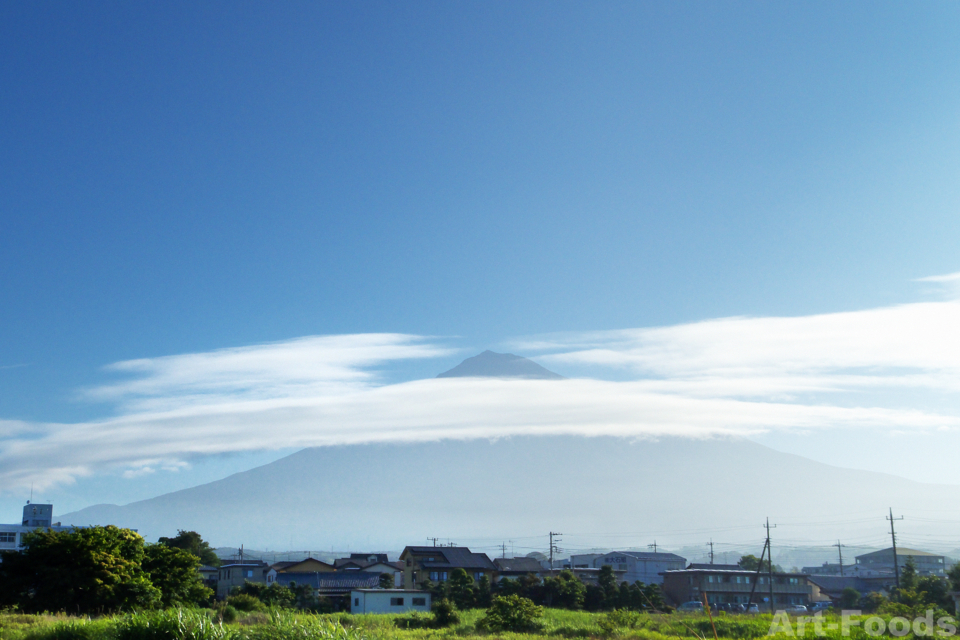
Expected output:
(386, 581)
(750, 562)
(953, 575)
(511, 613)
(174, 572)
(192, 542)
(607, 582)
(89, 570)
(908, 575)
(565, 591)
(462, 590)
(850, 598)
(484, 594)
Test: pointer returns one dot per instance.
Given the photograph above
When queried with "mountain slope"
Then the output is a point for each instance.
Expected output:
(500, 365)
(379, 496)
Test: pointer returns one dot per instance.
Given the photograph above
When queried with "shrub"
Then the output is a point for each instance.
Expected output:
(415, 620)
(511, 613)
(445, 613)
(245, 602)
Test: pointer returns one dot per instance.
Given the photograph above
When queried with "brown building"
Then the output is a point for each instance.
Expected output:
(437, 563)
(735, 587)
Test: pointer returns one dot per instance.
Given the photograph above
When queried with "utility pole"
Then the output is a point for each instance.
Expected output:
(503, 550)
(840, 553)
(553, 546)
(893, 538)
(770, 563)
(434, 540)
(711, 550)
(653, 546)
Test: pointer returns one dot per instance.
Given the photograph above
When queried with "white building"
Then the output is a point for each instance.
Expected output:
(388, 601)
(35, 516)
(637, 565)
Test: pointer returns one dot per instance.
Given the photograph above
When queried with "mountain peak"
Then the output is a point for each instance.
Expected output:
(500, 365)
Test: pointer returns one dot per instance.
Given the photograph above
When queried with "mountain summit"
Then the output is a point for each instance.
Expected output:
(500, 365)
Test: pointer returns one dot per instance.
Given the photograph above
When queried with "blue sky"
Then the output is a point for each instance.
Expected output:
(179, 179)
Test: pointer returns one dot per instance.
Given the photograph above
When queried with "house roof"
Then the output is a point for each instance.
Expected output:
(450, 558)
(377, 557)
(517, 565)
(648, 555)
(714, 567)
(331, 581)
(901, 551)
(732, 572)
(834, 585)
(280, 566)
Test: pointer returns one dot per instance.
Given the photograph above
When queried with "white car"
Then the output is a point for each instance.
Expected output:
(693, 605)
(796, 608)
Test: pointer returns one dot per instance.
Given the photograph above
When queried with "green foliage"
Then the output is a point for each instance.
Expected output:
(872, 602)
(908, 576)
(285, 626)
(273, 596)
(415, 620)
(607, 582)
(461, 589)
(750, 562)
(245, 602)
(850, 598)
(445, 613)
(565, 591)
(484, 592)
(953, 575)
(174, 624)
(191, 542)
(386, 581)
(512, 613)
(97, 569)
(174, 572)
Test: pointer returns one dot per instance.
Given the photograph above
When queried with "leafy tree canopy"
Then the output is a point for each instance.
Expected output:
(192, 541)
(750, 562)
(89, 570)
(174, 572)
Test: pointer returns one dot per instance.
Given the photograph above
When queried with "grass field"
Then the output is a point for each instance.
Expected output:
(282, 625)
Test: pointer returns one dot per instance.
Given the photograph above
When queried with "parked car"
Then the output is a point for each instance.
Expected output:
(796, 608)
(820, 606)
(693, 605)
(751, 608)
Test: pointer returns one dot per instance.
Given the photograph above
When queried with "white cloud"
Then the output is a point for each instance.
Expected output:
(735, 376)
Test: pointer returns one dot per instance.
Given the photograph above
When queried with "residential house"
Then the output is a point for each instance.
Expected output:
(436, 563)
(389, 601)
(711, 566)
(735, 587)
(335, 585)
(928, 564)
(236, 573)
(209, 575)
(372, 563)
(826, 569)
(831, 587)
(513, 568)
(636, 565)
(309, 565)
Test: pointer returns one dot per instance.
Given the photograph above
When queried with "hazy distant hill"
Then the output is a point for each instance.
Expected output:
(500, 365)
(383, 496)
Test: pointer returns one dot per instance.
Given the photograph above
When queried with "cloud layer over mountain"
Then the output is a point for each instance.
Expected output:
(734, 376)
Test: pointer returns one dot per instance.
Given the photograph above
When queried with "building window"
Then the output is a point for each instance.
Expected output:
(478, 575)
(250, 573)
(709, 578)
(396, 602)
(356, 602)
(435, 576)
(8, 536)
(419, 602)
